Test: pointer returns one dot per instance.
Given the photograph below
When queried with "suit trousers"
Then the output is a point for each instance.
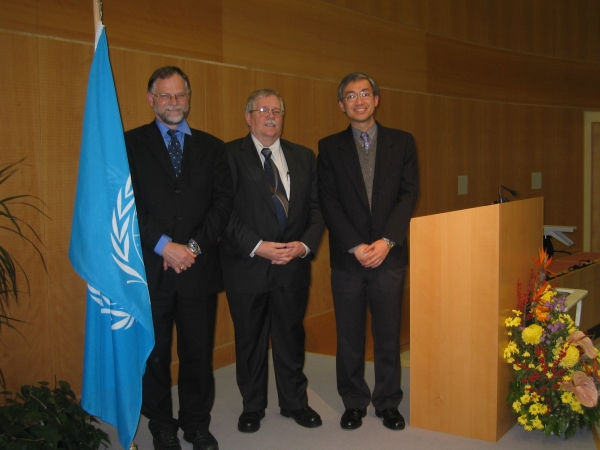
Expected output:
(279, 314)
(195, 324)
(381, 291)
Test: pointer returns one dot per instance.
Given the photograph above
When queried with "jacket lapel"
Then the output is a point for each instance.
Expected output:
(351, 163)
(384, 159)
(191, 152)
(252, 163)
(156, 145)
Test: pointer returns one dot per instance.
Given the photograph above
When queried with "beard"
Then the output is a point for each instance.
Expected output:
(171, 119)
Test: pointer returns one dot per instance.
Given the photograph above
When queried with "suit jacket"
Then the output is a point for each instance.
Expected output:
(197, 205)
(344, 201)
(254, 219)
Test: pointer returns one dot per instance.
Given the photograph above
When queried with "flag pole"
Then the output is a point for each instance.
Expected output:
(97, 14)
(97, 24)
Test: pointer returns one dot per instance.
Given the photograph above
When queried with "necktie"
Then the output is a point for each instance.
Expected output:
(277, 190)
(175, 152)
(366, 140)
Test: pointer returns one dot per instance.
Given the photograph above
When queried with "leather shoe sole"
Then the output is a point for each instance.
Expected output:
(352, 418)
(249, 422)
(392, 418)
(307, 417)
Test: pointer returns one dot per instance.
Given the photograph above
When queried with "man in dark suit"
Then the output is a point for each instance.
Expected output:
(266, 250)
(368, 187)
(183, 192)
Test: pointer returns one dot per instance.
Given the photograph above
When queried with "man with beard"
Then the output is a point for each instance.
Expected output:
(183, 192)
(266, 250)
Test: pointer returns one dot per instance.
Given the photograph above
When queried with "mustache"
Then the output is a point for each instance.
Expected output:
(271, 122)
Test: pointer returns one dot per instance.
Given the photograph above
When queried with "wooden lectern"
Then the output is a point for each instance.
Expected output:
(464, 270)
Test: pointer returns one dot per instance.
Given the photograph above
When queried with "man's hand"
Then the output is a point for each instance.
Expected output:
(371, 256)
(177, 256)
(280, 252)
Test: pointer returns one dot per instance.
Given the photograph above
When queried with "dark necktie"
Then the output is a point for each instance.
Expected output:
(175, 152)
(277, 190)
(366, 140)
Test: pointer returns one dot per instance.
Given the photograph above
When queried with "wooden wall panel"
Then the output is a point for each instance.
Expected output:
(557, 28)
(466, 70)
(329, 43)
(193, 29)
(27, 349)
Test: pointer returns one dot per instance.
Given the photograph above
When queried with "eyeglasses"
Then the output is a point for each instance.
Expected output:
(164, 97)
(352, 97)
(263, 111)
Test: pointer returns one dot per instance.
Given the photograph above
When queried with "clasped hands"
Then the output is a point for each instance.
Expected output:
(280, 252)
(177, 256)
(372, 256)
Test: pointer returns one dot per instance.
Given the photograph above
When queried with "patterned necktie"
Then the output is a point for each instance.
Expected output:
(366, 140)
(277, 190)
(175, 152)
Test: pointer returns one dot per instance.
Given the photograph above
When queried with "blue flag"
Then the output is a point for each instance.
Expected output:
(105, 251)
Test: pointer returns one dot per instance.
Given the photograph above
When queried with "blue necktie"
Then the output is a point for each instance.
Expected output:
(277, 190)
(366, 140)
(175, 152)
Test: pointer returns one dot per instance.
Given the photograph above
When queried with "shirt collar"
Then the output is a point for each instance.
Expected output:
(372, 132)
(183, 127)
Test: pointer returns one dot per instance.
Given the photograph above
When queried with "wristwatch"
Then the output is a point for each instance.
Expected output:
(193, 246)
(389, 243)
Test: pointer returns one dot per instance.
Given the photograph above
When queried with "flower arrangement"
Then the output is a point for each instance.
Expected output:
(555, 365)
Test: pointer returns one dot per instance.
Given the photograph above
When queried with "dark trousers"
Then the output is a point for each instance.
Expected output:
(195, 323)
(279, 314)
(380, 291)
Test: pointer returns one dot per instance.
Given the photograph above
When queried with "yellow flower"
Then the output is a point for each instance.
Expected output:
(525, 398)
(532, 334)
(571, 357)
(531, 366)
(526, 354)
(517, 406)
(537, 423)
(518, 313)
(566, 397)
(522, 419)
(515, 367)
(549, 375)
(528, 427)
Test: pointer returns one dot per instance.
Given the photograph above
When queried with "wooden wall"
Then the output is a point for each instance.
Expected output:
(491, 90)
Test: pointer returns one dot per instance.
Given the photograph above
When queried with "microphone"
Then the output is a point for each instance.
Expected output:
(504, 199)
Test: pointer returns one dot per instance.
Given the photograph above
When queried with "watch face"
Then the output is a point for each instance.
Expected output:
(193, 246)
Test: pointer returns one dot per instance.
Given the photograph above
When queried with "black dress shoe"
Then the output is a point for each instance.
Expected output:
(307, 417)
(249, 422)
(165, 439)
(352, 418)
(391, 418)
(202, 440)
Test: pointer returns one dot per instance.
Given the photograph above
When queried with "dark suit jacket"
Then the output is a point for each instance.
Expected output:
(344, 201)
(197, 205)
(254, 219)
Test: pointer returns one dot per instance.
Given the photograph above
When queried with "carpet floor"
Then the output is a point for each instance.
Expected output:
(278, 432)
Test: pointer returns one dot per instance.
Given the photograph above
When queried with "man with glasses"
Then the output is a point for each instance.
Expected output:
(266, 252)
(368, 188)
(183, 192)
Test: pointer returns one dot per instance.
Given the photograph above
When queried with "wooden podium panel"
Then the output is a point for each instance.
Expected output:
(464, 267)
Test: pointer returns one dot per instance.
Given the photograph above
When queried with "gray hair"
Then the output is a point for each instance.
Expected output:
(260, 94)
(168, 72)
(355, 76)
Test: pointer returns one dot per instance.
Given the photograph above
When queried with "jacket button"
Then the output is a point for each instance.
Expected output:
(178, 191)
